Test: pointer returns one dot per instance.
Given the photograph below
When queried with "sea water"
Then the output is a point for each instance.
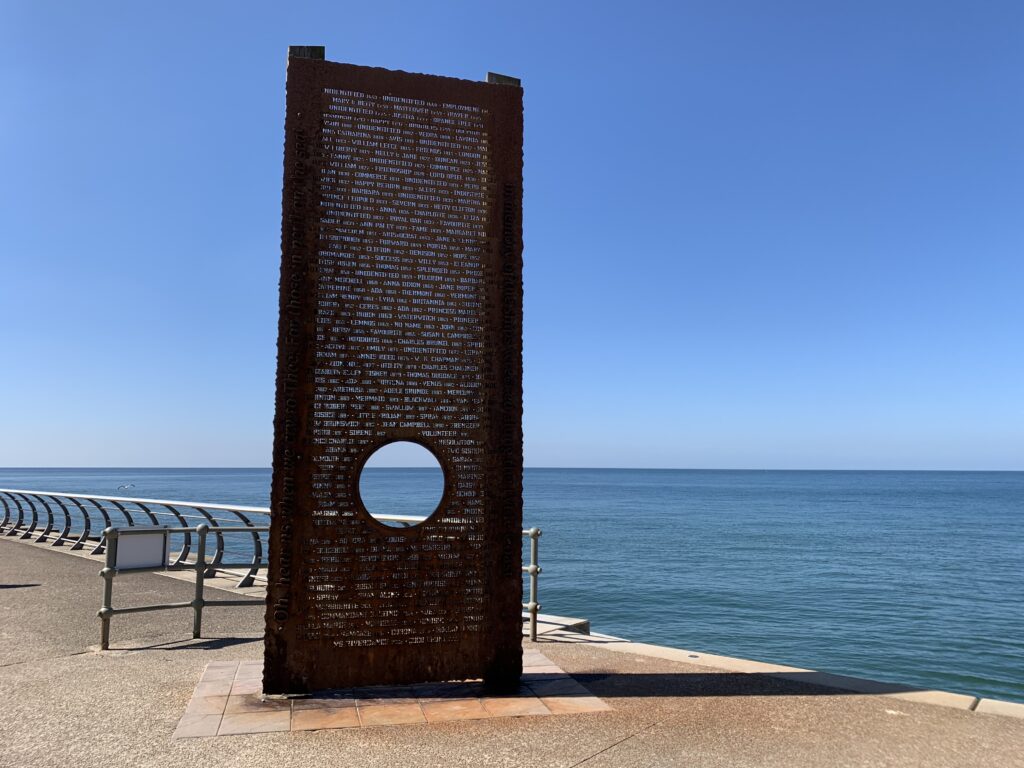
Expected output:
(908, 577)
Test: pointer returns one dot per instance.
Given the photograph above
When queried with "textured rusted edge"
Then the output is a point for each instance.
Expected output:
(503, 661)
(294, 360)
(499, 657)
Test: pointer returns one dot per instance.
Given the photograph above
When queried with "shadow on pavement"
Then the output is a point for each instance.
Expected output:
(720, 684)
(205, 644)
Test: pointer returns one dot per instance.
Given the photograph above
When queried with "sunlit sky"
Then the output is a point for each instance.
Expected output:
(758, 235)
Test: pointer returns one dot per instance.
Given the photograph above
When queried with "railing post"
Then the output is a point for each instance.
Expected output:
(197, 604)
(21, 517)
(108, 573)
(7, 512)
(534, 572)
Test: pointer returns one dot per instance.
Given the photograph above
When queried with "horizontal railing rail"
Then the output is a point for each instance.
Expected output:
(80, 521)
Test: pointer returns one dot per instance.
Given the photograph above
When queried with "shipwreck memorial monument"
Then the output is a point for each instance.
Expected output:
(400, 320)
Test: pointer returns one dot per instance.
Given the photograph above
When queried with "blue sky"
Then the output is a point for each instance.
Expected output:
(758, 235)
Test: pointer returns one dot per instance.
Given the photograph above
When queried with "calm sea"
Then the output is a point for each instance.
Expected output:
(912, 577)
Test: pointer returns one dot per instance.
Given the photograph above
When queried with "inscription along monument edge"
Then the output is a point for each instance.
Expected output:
(400, 319)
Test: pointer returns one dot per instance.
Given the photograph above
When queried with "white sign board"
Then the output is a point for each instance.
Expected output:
(143, 550)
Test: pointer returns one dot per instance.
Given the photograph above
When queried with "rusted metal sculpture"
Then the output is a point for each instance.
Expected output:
(401, 319)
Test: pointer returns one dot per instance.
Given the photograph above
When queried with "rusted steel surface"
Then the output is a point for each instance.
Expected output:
(401, 319)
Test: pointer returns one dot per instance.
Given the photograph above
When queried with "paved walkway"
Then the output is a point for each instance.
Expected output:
(64, 704)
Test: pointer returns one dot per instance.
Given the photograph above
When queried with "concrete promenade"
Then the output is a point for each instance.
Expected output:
(65, 704)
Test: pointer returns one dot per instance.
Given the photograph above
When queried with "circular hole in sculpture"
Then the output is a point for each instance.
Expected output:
(401, 484)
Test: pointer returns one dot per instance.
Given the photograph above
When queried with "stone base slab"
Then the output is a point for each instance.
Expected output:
(228, 700)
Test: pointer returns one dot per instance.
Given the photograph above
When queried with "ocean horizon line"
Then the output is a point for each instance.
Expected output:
(573, 468)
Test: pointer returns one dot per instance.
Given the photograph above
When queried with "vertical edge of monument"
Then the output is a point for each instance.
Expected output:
(298, 243)
(504, 668)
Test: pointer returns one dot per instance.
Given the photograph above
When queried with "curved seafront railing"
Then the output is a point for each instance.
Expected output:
(78, 521)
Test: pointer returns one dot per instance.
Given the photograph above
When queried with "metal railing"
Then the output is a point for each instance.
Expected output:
(81, 521)
(113, 537)
(77, 520)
